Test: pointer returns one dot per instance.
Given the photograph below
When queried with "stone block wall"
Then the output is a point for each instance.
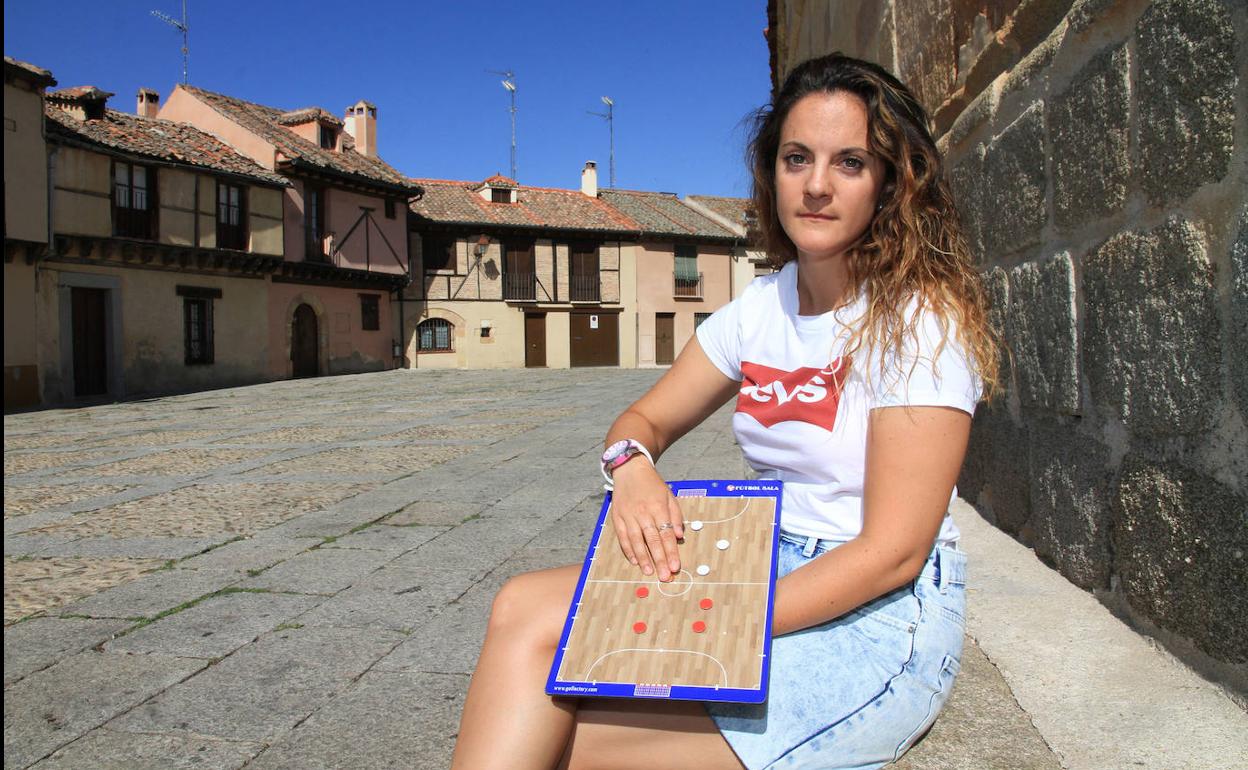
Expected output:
(1098, 150)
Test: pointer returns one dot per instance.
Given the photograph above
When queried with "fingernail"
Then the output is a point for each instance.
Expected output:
(646, 569)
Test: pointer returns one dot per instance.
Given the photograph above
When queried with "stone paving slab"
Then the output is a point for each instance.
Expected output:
(319, 571)
(22, 500)
(215, 627)
(36, 644)
(107, 749)
(250, 553)
(47, 710)
(416, 731)
(262, 691)
(393, 541)
(152, 594)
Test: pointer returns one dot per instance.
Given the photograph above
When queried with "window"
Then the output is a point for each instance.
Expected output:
(584, 272)
(438, 252)
(370, 313)
(687, 280)
(390, 208)
(698, 318)
(231, 217)
(328, 136)
(500, 195)
(434, 335)
(197, 322)
(314, 221)
(133, 201)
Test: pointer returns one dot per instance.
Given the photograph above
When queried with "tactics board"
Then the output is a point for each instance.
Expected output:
(706, 634)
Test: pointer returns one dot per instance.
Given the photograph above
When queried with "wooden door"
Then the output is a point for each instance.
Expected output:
(519, 272)
(303, 343)
(664, 338)
(595, 339)
(89, 322)
(534, 339)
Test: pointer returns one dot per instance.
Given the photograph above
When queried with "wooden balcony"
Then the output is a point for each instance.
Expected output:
(687, 286)
(585, 288)
(520, 287)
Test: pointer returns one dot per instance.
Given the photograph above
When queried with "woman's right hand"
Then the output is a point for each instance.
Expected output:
(647, 518)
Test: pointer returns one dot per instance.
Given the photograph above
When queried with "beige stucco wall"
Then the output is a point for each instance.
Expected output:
(344, 347)
(503, 349)
(81, 203)
(177, 189)
(629, 340)
(25, 167)
(153, 343)
(264, 220)
(655, 269)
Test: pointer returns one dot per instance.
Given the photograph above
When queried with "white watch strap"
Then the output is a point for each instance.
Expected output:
(641, 450)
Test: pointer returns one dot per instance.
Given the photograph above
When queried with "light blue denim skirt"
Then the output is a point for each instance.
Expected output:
(858, 691)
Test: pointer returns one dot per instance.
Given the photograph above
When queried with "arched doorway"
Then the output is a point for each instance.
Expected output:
(303, 347)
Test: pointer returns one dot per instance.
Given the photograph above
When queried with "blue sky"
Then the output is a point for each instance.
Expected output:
(683, 73)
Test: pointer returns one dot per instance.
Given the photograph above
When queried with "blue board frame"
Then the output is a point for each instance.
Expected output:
(708, 488)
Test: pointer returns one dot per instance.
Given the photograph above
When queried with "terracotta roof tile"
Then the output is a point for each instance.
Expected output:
(266, 122)
(450, 202)
(663, 214)
(79, 93)
(498, 180)
(158, 139)
(307, 115)
(39, 75)
(739, 211)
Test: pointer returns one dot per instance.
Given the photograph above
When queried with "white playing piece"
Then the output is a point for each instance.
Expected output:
(722, 545)
(704, 569)
(695, 525)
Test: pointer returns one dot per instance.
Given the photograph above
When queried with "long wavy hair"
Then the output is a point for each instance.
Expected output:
(914, 247)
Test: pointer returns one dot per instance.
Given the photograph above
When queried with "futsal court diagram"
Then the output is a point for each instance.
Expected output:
(704, 635)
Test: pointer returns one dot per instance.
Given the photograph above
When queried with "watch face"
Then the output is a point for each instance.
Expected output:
(615, 450)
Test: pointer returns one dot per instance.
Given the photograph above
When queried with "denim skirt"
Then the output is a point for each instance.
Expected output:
(858, 691)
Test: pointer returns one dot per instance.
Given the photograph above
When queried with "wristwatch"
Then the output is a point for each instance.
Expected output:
(621, 452)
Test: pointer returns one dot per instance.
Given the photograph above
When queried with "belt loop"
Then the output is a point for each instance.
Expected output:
(811, 543)
(942, 576)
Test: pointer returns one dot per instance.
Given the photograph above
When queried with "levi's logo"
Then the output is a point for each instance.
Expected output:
(806, 395)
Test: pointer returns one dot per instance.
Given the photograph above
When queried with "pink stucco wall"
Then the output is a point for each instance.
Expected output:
(656, 264)
(185, 107)
(344, 209)
(344, 347)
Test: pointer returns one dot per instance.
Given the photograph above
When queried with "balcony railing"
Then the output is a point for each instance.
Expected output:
(520, 287)
(686, 286)
(585, 288)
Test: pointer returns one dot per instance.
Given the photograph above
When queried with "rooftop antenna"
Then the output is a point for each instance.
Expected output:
(180, 26)
(509, 82)
(609, 116)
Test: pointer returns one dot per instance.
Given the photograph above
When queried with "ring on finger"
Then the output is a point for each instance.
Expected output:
(665, 525)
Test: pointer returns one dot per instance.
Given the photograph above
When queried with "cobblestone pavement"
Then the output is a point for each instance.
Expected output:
(298, 574)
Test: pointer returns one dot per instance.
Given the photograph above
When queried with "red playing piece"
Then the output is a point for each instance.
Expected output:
(643, 592)
(698, 626)
(639, 627)
(706, 604)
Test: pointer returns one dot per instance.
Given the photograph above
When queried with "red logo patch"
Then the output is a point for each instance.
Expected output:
(806, 395)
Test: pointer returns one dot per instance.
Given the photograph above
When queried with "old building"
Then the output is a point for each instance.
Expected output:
(154, 279)
(26, 231)
(686, 267)
(513, 276)
(345, 229)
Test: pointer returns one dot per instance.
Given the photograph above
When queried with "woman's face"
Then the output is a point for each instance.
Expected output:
(827, 183)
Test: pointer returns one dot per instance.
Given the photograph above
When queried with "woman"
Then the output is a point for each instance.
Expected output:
(877, 303)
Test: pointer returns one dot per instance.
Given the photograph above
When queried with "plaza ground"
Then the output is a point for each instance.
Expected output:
(298, 575)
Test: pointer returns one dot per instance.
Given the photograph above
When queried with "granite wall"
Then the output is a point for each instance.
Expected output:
(1099, 153)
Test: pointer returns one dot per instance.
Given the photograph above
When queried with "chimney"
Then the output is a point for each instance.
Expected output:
(361, 124)
(149, 103)
(589, 179)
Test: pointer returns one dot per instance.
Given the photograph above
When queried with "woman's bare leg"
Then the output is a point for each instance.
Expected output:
(623, 734)
(509, 720)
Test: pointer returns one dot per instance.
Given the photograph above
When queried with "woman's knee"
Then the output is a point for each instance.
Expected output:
(531, 606)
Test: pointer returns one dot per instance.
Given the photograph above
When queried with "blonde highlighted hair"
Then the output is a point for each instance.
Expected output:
(914, 246)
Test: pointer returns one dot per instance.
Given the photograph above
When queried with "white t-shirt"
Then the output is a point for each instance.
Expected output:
(790, 423)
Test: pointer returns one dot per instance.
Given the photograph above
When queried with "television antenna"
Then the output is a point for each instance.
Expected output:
(509, 82)
(180, 26)
(609, 116)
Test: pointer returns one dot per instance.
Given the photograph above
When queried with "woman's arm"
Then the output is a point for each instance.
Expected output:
(685, 396)
(913, 458)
